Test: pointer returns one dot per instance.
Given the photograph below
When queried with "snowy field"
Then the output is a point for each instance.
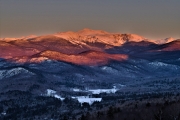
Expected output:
(98, 91)
(87, 99)
(53, 94)
(81, 99)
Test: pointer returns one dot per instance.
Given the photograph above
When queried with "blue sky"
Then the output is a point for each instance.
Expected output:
(149, 18)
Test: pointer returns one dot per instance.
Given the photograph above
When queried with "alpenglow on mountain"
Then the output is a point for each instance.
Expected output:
(82, 46)
(90, 52)
(66, 75)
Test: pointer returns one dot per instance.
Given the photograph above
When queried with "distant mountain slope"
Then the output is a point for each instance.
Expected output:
(69, 47)
(86, 58)
(171, 46)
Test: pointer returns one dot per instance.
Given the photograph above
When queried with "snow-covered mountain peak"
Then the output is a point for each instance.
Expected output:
(19, 38)
(88, 35)
(163, 41)
(9, 39)
(170, 39)
(29, 37)
(135, 37)
(87, 31)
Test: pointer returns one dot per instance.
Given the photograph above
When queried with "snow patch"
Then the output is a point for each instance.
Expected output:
(59, 97)
(163, 41)
(87, 99)
(98, 91)
(3, 113)
(76, 90)
(158, 64)
(110, 70)
(52, 93)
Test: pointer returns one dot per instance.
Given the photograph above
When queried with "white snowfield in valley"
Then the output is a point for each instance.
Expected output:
(87, 99)
(52, 93)
(76, 90)
(82, 99)
(98, 91)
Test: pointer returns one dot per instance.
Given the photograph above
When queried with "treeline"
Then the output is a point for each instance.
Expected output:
(155, 109)
(26, 106)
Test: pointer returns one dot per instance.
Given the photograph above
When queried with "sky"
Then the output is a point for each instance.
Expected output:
(153, 19)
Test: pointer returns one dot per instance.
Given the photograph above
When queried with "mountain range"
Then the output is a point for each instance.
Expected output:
(91, 55)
